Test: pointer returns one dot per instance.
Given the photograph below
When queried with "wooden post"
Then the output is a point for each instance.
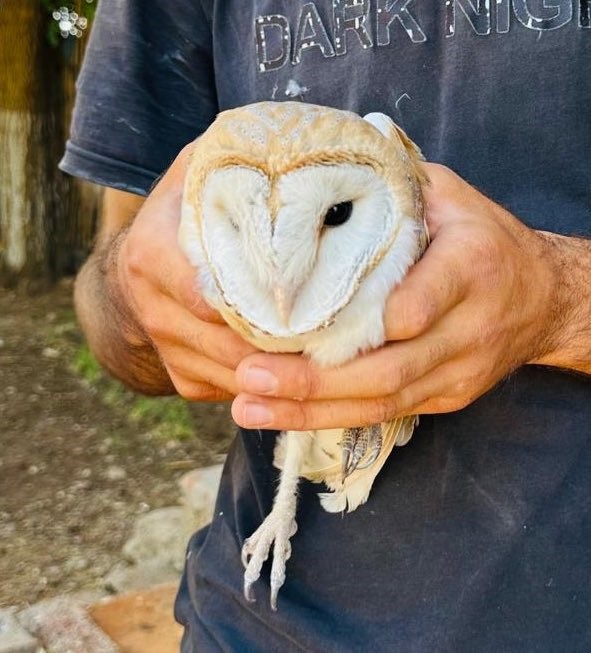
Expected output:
(46, 219)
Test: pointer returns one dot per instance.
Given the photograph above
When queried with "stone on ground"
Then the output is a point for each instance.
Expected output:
(126, 577)
(13, 637)
(155, 552)
(199, 489)
(64, 625)
(141, 622)
(159, 535)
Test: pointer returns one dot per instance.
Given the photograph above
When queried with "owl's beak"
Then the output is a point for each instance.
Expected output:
(284, 303)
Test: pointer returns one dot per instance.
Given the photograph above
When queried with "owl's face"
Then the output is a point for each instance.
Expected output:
(284, 237)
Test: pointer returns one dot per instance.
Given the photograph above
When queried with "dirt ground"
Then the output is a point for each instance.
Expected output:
(75, 471)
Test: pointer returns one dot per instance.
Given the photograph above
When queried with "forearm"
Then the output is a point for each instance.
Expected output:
(570, 341)
(110, 327)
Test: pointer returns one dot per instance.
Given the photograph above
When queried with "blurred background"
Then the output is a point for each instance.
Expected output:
(82, 459)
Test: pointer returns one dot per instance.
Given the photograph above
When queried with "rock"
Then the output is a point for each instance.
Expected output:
(50, 352)
(125, 577)
(115, 473)
(8, 529)
(76, 563)
(199, 489)
(162, 535)
(64, 625)
(13, 637)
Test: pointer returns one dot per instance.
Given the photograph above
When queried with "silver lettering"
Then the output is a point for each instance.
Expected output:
(311, 33)
(478, 16)
(551, 14)
(503, 16)
(350, 15)
(390, 10)
(275, 28)
(585, 14)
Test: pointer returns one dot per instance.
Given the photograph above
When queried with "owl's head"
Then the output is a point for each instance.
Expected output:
(289, 207)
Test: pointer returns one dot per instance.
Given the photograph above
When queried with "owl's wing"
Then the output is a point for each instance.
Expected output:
(412, 158)
(388, 128)
(323, 464)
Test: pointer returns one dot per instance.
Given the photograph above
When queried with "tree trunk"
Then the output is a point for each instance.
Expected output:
(46, 218)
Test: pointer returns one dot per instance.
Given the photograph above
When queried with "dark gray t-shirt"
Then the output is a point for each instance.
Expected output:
(477, 534)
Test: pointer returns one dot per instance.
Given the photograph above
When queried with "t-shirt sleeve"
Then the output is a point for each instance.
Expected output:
(146, 89)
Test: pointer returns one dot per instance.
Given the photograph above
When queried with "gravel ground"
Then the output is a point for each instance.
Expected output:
(75, 470)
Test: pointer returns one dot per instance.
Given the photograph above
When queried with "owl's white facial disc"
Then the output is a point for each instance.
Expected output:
(254, 256)
(325, 264)
(236, 238)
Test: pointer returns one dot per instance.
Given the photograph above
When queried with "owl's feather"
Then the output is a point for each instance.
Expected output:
(259, 187)
(276, 168)
(263, 157)
(323, 464)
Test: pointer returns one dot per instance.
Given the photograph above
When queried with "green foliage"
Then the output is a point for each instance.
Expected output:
(166, 418)
(86, 365)
(170, 415)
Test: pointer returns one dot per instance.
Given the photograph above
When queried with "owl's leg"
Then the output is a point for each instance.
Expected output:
(280, 523)
(360, 447)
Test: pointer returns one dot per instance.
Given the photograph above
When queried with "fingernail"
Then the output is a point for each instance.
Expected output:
(257, 415)
(259, 380)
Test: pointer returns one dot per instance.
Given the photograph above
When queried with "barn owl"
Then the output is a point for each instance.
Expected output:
(300, 220)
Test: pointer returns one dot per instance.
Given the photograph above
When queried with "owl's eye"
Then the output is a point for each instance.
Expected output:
(338, 214)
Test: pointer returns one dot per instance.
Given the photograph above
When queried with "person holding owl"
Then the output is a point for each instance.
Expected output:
(476, 535)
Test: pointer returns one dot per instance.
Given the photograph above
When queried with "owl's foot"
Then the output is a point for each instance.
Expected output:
(276, 530)
(361, 446)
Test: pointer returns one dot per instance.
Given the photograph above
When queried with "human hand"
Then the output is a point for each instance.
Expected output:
(198, 350)
(480, 303)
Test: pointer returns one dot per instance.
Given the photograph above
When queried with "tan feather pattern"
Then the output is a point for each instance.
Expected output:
(277, 138)
(323, 464)
(241, 235)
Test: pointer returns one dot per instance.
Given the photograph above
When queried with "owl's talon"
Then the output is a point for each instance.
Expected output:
(373, 456)
(246, 552)
(346, 460)
(274, 593)
(248, 593)
(275, 531)
(355, 445)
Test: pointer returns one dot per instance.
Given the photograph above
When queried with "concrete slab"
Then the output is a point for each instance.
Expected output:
(13, 637)
(140, 622)
(62, 625)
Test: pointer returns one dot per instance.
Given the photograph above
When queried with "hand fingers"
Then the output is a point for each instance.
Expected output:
(445, 389)
(440, 280)
(198, 391)
(167, 269)
(250, 411)
(200, 357)
(377, 374)
(198, 377)
(152, 256)
(168, 325)
(441, 195)
(433, 286)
